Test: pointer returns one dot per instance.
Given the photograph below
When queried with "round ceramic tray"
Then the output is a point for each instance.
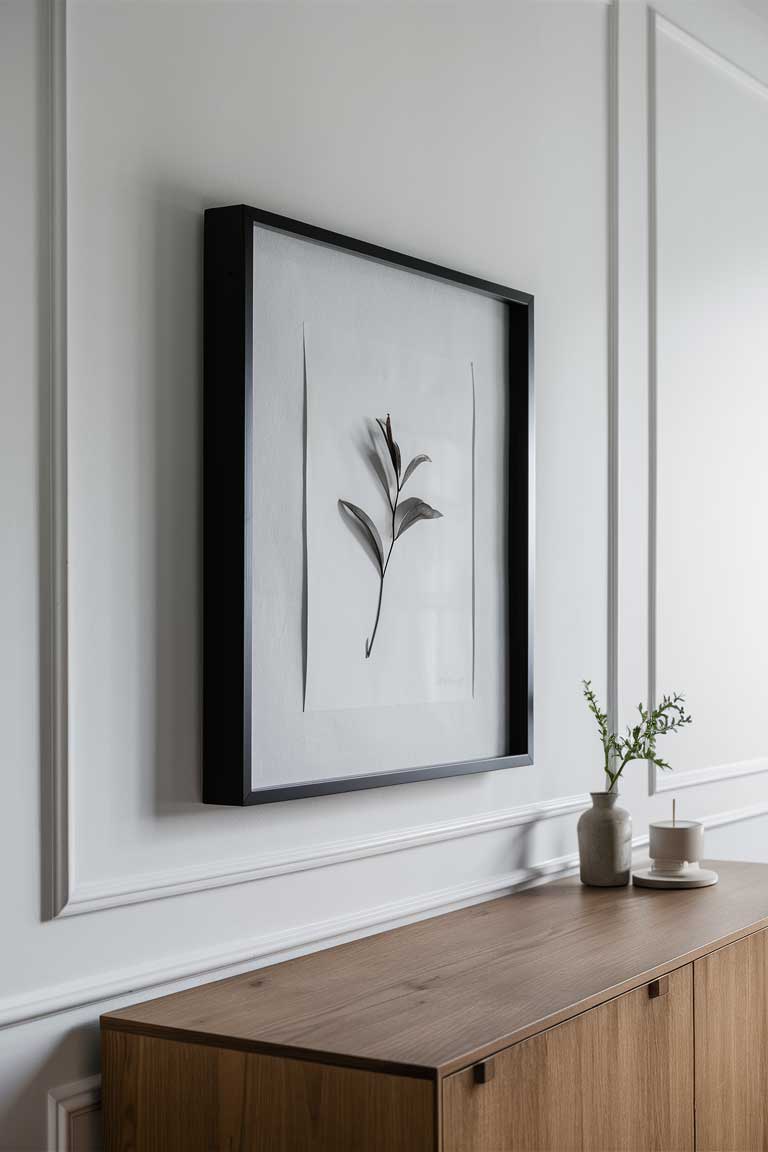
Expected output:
(693, 878)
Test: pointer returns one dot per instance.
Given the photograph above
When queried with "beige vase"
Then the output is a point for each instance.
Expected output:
(605, 842)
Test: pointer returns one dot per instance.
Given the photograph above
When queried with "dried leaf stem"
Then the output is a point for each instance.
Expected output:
(411, 510)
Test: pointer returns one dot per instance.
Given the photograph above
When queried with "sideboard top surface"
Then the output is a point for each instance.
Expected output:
(437, 995)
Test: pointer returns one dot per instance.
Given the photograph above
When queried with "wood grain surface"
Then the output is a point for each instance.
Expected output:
(165, 1096)
(618, 1078)
(437, 995)
(731, 997)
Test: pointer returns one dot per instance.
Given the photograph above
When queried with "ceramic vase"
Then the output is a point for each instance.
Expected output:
(605, 842)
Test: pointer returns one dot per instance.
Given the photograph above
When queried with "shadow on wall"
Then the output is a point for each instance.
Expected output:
(168, 320)
(174, 361)
(522, 852)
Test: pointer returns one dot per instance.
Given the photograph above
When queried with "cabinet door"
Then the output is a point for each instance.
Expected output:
(618, 1077)
(731, 996)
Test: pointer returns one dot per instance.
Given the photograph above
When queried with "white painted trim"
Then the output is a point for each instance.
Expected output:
(69, 898)
(653, 397)
(613, 325)
(712, 56)
(94, 896)
(57, 774)
(278, 946)
(736, 815)
(712, 775)
(64, 1102)
(659, 24)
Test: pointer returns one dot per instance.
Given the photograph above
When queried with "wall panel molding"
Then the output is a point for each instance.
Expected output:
(653, 418)
(68, 1107)
(658, 24)
(91, 897)
(56, 771)
(715, 774)
(67, 896)
(613, 326)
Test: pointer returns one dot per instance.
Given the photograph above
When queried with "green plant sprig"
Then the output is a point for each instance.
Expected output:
(639, 742)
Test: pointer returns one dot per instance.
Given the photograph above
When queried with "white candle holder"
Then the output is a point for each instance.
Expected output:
(675, 848)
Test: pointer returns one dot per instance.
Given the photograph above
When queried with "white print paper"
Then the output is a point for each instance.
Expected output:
(423, 644)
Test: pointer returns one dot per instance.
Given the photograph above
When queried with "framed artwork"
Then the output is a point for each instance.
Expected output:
(368, 526)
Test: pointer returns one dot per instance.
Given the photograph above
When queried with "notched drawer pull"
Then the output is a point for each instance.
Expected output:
(484, 1071)
(658, 987)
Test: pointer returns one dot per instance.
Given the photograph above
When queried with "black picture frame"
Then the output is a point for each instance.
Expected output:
(227, 447)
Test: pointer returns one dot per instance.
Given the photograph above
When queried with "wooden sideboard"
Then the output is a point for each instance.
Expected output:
(559, 1018)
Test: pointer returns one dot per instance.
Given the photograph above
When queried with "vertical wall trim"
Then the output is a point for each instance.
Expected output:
(658, 23)
(65, 1104)
(57, 770)
(612, 275)
(653, 399)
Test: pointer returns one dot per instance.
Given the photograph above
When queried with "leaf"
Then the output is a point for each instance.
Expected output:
(387, 450)
(392, 447)
(370, 531)
(420, 459)
(414, 510)
(406, 506)
(384, 466)
(379, 469)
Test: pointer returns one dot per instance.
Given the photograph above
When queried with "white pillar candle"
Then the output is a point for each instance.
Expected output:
(673, 844)
(676, 847)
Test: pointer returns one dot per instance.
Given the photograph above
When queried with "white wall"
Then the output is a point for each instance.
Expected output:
(491, 137)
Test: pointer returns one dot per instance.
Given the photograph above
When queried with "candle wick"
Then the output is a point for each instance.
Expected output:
(673, 813)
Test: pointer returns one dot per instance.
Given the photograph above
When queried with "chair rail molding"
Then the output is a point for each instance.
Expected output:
(275, 947)
(659, 24)
(240, 956)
